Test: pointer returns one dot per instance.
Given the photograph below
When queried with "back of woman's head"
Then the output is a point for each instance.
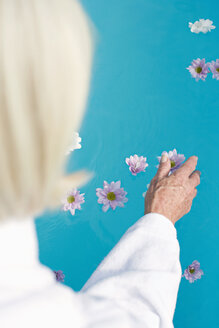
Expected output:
(45, 61)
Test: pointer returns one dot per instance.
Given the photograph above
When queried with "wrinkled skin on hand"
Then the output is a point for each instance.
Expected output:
(172, 195)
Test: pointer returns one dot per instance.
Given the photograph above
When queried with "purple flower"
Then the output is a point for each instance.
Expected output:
(59, 275)
(214, 67)
(111, 195)
(73, 201)
(136, 164)
(176, 160)
(199, 69)
(193, 272)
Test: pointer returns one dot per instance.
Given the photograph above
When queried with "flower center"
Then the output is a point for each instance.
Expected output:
(172, 164)
(198, 69)
(191, 270)
(71, 199)
(111, 196)
(217, 69)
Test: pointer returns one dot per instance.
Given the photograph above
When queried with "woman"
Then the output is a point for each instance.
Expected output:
(46, 51)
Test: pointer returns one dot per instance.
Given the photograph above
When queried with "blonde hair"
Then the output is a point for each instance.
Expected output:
(46, 51)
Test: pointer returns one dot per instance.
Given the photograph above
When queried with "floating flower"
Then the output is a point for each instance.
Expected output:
(144, 193)
(59, 275)
(199, 69)
(136, 164)
(214, 67)
(193, 272)
(203, 25)
(176, 160)
(75, 143)
(111, 195)
(73, 201)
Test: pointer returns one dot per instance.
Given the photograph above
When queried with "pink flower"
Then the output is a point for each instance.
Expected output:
(72, 201)
(214, 67)
(199, 69)
(176, 160)
(193, 272)
(136, 164)
(59, 275)
(111, 195)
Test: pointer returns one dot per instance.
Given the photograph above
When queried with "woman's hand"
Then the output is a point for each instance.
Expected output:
(172, 195)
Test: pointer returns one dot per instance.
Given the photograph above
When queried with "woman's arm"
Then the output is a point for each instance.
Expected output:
(136, 285)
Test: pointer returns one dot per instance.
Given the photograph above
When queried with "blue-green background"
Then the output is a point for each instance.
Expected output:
(143, 101)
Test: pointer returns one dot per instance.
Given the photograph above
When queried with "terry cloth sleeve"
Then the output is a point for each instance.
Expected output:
(136, 285)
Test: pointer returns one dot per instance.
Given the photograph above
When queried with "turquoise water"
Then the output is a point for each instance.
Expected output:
(143, 101)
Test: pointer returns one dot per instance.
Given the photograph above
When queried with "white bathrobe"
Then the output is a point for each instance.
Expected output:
(136, 285)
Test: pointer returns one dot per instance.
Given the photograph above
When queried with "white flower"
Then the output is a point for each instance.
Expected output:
(75, 143)
(144, 193)
(203, 25)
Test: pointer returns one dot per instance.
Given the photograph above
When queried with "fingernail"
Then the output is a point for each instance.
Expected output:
(164, 158)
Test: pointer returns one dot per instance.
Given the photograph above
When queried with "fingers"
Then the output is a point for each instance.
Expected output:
(164, 167)
(192, 195)
(194, 179)
(188, 167)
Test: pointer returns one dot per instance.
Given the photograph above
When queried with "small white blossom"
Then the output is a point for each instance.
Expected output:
(203, 25)
(75, 143)
(144, 193)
